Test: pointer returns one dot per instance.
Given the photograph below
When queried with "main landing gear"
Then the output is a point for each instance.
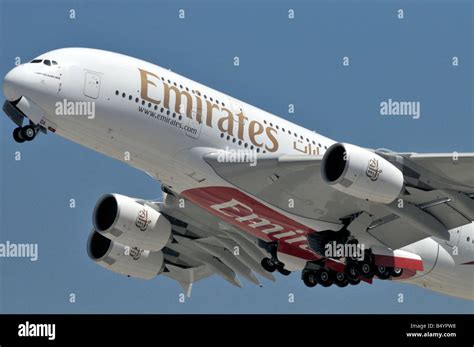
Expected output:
(355, 270)
(26, 133)
(326, 278)
(272, 264)
(357, 267)
(367, 268)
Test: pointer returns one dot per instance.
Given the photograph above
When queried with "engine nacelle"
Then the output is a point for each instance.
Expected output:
(361, 173)
(125, 221)
(125, 260)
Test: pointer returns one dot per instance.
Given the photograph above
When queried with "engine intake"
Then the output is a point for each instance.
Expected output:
(125, 260)
(122, 219)
(361, 173)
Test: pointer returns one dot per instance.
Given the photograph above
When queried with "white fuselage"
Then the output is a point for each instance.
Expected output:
(162, 123)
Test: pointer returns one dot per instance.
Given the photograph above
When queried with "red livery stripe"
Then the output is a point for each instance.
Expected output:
(405, 263)
(250, 215)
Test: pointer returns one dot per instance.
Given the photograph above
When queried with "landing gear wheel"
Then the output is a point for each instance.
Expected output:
(396, 272)
(352, 270)
(340, 279)
(268, 265)
(28, 132)
(353, 281)
(354, 257)
(17, 135)
(324, 278)
(366, 269)
(309, 279)
(283, 271)
(382, 272)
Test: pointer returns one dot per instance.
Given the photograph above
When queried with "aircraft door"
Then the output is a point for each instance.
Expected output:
(91, 85)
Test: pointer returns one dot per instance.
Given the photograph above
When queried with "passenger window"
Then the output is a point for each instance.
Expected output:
(47, 62)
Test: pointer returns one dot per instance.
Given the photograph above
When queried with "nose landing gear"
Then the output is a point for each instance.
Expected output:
(26, 133)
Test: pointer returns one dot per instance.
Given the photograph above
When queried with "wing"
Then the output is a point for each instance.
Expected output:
(203, 246)
(454, 169)
(438, 195)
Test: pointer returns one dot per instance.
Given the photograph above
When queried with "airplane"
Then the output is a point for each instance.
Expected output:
(245, 192)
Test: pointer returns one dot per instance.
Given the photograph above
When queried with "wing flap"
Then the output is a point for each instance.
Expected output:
(187, 276)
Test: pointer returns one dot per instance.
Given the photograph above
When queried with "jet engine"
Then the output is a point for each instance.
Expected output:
(361, 173)
(125, 260)
(124, 220)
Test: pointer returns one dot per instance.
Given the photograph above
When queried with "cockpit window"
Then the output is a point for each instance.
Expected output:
(47, 62)
(36, 61)
(54, 62)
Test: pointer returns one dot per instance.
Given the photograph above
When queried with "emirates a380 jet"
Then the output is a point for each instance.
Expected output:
(245, 192)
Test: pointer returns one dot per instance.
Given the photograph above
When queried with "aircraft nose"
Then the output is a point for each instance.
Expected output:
(15, 82)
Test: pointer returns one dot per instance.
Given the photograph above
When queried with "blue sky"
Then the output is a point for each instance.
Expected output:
(282, 61)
